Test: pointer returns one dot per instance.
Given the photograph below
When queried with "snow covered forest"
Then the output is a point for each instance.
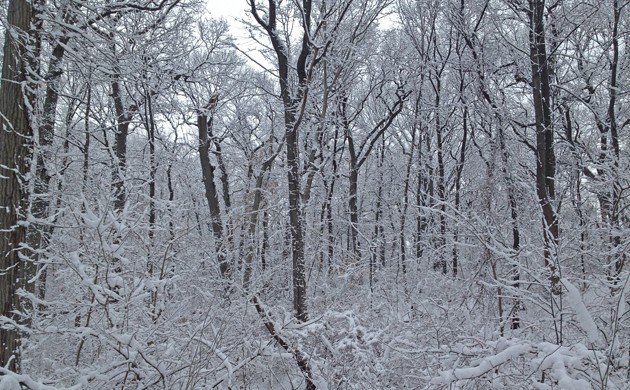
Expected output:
(317, 194)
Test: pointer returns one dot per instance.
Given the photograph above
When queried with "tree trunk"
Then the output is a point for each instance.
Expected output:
(617, 207)
(150, 127)
(424, 193)
(378, 240)
(515, 320)
(15, 159)
(545, 158)
(460, 163)
(440, 264)
(212, 197)
(120, 146)
(403, 215)
(295, 220)
(39, 233)
(353, 178)
(291, 101)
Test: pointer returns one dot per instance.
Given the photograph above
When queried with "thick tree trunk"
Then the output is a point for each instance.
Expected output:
(295, 220)
(120, 146)
(545, 158)
(212, 197)
(15, 159)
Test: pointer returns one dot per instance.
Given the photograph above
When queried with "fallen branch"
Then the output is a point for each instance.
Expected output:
(299, 357)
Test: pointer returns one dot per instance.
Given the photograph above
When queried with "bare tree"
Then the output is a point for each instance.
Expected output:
(294, 102)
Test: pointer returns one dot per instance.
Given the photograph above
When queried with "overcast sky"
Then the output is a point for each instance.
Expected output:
(228, 9)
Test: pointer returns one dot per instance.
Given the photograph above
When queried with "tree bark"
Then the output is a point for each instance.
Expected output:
(15, 159)
(120, 146)
(515, 320)
(440, 264)
(212, 197)
(545, 157)
(292, 120)
(617, 208)
(39, 233)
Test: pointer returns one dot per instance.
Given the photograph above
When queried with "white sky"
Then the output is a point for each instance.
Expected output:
(228, 9)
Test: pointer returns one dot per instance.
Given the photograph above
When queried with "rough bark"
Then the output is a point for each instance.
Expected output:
(545, 158)
(15, 158)
(123, 118)
(212, 197)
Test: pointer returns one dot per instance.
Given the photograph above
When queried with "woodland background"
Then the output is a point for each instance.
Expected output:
(365, 195)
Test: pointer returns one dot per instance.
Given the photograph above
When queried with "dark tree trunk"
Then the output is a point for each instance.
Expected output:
(462, 153)
(295, 220)
(545, 158)
(458, 184)
(123, 119)
(39, 233)
(424, 193)
(265, 241)
(15, 159)
(353, 178)
(212, 197)
(617, 208)
(292, 102)
(327, 223)
(378, 251)
(515, 320)
(150, 127)
(440, 264)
